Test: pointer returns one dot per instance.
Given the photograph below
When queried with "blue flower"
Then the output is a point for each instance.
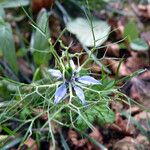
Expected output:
(71, 77)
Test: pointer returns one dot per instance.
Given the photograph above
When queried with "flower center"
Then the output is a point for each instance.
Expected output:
(68, 73)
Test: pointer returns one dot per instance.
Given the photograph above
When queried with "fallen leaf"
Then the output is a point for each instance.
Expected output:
(138, 88)
(142, 118)
(84, 143)
(95, 68)
(113, 50)
(31, 144)
(116, 106)
(37, 111)
(133, 110)
(138, 60)
(122, 126)
(37, 5)
(146, 37)
(127, 143)
(143, 141)
(144, 11)
(82, 29)
(123, 71)
(141, 86)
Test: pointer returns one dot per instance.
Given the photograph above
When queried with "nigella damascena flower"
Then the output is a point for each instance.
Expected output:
(71, 77)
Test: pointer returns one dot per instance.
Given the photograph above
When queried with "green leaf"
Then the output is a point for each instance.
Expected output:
(8, 131)
(100, 114)
(13, 3)
(81, 124)
(7, 45)
(131, 31)
(2, 12)
(4, 93)
(139, 45)
(40, 44)
(37, 75)
(83, 31)
(7, 89)
(25, 113)
(105, 115)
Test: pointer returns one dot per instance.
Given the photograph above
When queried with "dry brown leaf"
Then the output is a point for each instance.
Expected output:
(119, 25)
(95, 68)
(113, 50)
(76, 48)
(55, 26)
(143, 141)
(122, 126)
(138, 89)
(142, 87)
(146, 37)
(37, 111)
(137, 61)
(74, 137)
(116, 106)
(144, 11)
(142, 118)
(128, 143)
(133, 110)
(39, 4)
(83, 58)
(31, 144)
(123, 71)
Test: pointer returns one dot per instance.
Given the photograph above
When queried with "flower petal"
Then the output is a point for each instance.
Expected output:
(60, 93)
(55, 73)
(88, 80)
(79, 92)
(72, 64)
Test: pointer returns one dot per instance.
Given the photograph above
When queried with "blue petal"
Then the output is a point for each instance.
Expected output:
(71, 64)
(88, 80)
(79, 92)
(60, 93)
(55, 73)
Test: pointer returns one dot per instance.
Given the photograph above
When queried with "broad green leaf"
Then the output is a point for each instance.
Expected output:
(40, 44)
(13, 3)
(139, 45)
(131, 31)
(83, 31)
(2, 12)
(2, 16)
(7, 45)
